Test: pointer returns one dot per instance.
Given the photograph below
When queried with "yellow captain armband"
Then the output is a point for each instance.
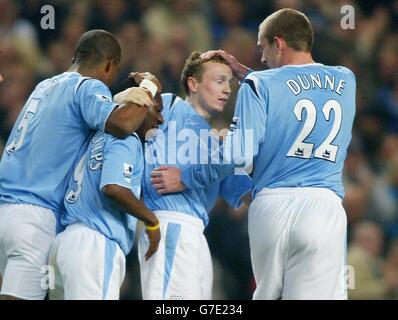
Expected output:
(149, 228)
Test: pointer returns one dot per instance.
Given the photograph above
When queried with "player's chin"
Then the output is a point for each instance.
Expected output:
(219, 106)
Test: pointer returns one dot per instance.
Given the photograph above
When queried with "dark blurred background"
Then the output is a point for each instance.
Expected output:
(157, 36)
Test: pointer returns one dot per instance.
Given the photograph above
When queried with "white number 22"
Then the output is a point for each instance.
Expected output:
(326, 150)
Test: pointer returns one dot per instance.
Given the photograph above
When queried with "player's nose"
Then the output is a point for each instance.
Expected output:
(160, 119)
(227, 89)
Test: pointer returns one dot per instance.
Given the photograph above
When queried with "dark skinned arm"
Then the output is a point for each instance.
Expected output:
(128, 202)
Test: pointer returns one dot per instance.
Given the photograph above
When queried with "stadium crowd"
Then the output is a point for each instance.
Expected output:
(157, 36)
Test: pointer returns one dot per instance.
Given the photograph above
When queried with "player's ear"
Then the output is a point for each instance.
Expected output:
(192, 84)
(279, 42)
(108, 65)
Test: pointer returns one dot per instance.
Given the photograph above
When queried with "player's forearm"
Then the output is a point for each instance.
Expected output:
(241, 72)
(220, 164)
(201, 176)
(125, 120)
(126, 200)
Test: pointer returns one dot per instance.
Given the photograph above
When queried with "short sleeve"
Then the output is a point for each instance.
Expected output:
(123, 164)
(95, 102)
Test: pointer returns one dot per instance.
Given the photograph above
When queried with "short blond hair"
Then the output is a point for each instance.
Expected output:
(292, 25)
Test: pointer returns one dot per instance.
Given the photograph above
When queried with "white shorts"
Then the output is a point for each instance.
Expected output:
(26, 234)
(181, 269)
(86, 265)
(298, 244)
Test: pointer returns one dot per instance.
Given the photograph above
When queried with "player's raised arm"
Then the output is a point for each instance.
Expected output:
(242, 143)
(133, 103)
(239, 70)
(240, 147)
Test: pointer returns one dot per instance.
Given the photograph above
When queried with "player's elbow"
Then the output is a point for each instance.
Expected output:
(111, 190)
(119, 128)
(124, 120)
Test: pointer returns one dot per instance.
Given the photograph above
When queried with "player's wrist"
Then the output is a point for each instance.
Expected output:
(152, 223)
(243, 72)
(150, 86)
(152, 227)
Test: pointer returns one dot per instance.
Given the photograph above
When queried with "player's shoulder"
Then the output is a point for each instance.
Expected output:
(87, 85)
(257, 82)
(171, 102)
(260, 76)
(131, 140)
(263, 78)
(343, 70)
(170, 99)
(287, 70)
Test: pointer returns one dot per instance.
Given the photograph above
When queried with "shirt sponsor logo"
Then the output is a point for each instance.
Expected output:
(127, 171)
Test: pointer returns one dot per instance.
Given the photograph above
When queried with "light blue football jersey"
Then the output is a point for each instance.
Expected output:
(294, 124)
(108, 160)
(55, 124)
(180, 142)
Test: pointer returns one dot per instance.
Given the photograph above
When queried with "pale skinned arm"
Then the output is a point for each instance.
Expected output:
(167, 179)
(239, 70)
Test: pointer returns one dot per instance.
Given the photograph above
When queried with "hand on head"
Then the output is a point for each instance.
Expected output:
(239, 70)
(138, 77)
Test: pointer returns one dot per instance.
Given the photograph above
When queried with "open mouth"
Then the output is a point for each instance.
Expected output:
(223, 100)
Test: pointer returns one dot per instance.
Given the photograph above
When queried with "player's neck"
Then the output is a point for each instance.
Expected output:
(85, 72)
(298, 57)
(198, 108)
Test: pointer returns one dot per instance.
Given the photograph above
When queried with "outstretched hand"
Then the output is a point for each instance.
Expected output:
(167, 179)
(239, 70)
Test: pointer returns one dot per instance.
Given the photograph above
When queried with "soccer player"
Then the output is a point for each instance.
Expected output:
(53, 127)
(301, 114)
(182, 267)
(102, 204)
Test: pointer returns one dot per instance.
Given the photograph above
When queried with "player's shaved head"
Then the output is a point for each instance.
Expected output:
(95, 46)
(292, 25)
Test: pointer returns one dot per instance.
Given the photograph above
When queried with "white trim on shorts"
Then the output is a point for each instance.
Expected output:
(176, 217)
(306, 191)
(181, 268)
